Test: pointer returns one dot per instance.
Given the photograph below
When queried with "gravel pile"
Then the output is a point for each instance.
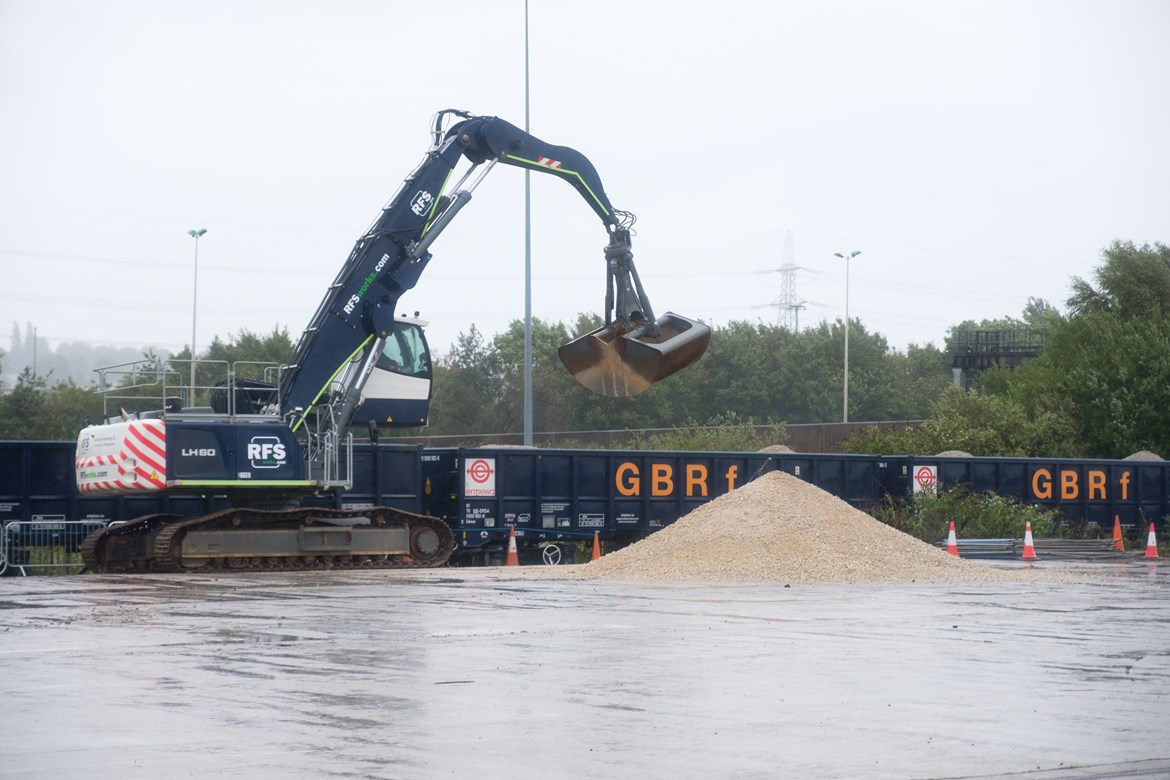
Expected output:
(1143, 455)
(779, 528)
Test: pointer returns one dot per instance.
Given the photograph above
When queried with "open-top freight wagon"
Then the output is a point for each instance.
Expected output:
(556, 500)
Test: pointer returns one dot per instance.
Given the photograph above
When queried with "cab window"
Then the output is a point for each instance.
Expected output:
(406, 351)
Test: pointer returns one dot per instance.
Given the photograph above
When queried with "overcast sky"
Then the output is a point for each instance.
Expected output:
(977, 153)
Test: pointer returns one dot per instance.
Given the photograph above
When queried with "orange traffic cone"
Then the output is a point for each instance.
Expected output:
(1118, 541)
(1152, 544)
(513, 559)
(1029, 546)
(952, 542)
(596, 547)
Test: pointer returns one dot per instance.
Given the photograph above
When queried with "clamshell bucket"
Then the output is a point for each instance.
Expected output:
(625, 359)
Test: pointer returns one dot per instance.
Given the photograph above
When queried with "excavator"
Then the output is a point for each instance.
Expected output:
(263, 446)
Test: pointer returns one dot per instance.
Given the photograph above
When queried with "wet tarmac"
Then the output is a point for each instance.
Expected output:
(491, 673)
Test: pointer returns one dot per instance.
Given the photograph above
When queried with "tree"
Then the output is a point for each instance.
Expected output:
(872, 380)
(67, 409)
(34, 411)
(1040, 316)
(808, 377)
(1109, 376)
(554, 392)
(922, 375)
(1132, 282)
(275, 347)
(965, 421)
(751, 371)
(992, 425)
(1100, 388)
(250, 355)
(1106, 370)
(466, 395)
(22, 408)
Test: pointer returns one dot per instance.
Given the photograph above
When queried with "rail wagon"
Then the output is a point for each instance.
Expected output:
(556, 500)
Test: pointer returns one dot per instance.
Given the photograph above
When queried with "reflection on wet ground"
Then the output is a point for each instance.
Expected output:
(491, 672)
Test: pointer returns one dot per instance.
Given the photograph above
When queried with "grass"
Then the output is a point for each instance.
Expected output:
(52, 560)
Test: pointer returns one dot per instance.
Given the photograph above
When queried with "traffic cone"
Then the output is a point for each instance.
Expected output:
(1118, 541)
(596, 547)
(952, 542)
(513, 559)
(1152, 544)
(1029, 546)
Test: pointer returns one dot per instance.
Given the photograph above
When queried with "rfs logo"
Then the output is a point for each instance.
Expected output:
(421, 203)
(266, 452)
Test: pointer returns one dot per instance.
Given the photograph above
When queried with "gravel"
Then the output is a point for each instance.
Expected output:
(779, 528)
(1143, 455)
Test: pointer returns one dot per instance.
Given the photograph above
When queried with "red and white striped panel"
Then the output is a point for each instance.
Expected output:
(548, 162)
(139, 464)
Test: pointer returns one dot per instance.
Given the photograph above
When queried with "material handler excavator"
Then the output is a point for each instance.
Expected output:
(265, 447)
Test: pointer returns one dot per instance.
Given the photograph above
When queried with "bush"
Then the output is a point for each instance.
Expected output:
(976, 515)
(722, 433)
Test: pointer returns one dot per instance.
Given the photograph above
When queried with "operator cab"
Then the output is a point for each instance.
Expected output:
(398, 392)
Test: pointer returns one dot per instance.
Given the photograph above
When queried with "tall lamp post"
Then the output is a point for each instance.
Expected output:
(527, 261)
(195, 234)
(847, 258)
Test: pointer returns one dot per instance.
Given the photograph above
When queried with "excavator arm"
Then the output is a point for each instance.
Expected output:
(488, 138)
(338, 351)
(634, 350)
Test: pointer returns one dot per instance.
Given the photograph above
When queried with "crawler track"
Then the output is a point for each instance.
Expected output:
(244, 539)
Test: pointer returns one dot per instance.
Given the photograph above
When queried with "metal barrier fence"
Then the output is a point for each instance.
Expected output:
(44, 546)
(1063, 549)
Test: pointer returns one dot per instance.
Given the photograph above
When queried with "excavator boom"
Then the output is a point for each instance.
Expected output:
(633, 350)
(628, 355)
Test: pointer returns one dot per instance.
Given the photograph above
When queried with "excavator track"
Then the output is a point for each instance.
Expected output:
(122, 547)
(244, 539)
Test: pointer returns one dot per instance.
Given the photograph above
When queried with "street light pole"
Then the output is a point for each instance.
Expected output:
(845, 403)
(527, 260)
(195, 234)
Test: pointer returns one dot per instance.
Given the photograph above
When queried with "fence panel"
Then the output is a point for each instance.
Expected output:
(44, 545)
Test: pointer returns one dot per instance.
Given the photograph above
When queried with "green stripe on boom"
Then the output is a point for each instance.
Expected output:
(321, 392)
(241, 482)
(435, 204)
(575, 174)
